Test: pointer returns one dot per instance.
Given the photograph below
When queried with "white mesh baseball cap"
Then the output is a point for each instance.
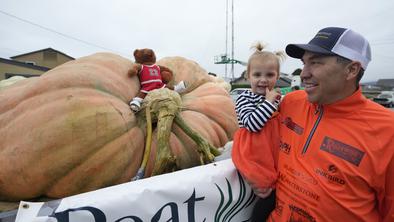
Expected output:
(335, 41)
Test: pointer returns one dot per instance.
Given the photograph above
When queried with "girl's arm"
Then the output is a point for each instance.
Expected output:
(251, 115)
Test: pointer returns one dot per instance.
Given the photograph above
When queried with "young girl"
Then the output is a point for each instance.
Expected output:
(254, 108)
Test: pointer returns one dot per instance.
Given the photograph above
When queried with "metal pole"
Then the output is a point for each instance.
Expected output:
(225, 65)
(232, 40)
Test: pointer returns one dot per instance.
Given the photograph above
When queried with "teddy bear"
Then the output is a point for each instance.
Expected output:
(151, 76)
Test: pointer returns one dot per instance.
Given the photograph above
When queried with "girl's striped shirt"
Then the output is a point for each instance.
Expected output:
(253, 111)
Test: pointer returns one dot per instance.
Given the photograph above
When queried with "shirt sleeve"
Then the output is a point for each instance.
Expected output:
(387, 201)
(255, 155)
(253, 116)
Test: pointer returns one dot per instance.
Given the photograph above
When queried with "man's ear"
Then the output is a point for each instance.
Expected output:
(353, 69)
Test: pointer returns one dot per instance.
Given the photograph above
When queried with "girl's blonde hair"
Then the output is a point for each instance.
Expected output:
(259, 52)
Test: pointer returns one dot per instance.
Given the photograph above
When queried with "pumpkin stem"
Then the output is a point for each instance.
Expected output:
(164, 105)
(148, 142)
(206, 150)
(165, 160)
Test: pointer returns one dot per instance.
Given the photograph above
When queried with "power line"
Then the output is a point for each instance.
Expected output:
(383, 43)
(59, 33)
(373, 16)
(383, 56)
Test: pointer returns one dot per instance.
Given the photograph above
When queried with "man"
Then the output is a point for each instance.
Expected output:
(335, 147)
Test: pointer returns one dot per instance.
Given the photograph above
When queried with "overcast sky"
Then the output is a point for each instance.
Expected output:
(192, 29)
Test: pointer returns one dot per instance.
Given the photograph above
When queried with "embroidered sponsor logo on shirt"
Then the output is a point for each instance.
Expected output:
(300, 215)
(284, 147)
(290, 184)
(329, 174)
(342, 150)
(293, 126)
(332, 168)
(300, 175)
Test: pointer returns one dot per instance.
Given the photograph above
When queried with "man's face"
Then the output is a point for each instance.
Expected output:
(324, 78)
(263, 74)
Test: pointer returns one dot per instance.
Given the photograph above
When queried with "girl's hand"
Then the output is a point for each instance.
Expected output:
(272, 95)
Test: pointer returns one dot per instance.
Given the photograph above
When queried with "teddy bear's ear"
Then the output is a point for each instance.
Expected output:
(149, 52)
(149, 55)
(136, 53)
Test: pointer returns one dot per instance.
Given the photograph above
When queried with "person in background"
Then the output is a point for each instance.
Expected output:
(254, 108)
(336, 147)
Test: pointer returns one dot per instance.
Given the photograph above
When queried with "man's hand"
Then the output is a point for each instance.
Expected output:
(260, 192)
(263, 193)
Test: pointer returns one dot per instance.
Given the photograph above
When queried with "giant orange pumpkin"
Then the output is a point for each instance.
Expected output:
(71, 130)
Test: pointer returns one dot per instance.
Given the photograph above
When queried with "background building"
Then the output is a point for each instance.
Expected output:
(32, 63)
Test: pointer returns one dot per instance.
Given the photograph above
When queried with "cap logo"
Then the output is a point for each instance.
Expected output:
(323, 35)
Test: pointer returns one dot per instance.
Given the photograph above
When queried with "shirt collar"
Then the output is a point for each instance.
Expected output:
(347, 105)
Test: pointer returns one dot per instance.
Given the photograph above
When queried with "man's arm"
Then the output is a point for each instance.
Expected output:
(386, 210)
(255, 155)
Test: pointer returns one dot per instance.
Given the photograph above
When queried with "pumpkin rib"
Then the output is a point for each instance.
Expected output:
(24, 103)
(96, 167)
(206, 89)
(110, 80)
(205, 130)
(219, 131)
(81, 166)
(208, 105)
(210, 118)
(60, 97)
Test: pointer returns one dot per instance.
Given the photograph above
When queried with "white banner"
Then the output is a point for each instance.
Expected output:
(213, 192)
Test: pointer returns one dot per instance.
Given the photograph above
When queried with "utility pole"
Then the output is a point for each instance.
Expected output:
(225, 67)
(226, 58)
(232, 39)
